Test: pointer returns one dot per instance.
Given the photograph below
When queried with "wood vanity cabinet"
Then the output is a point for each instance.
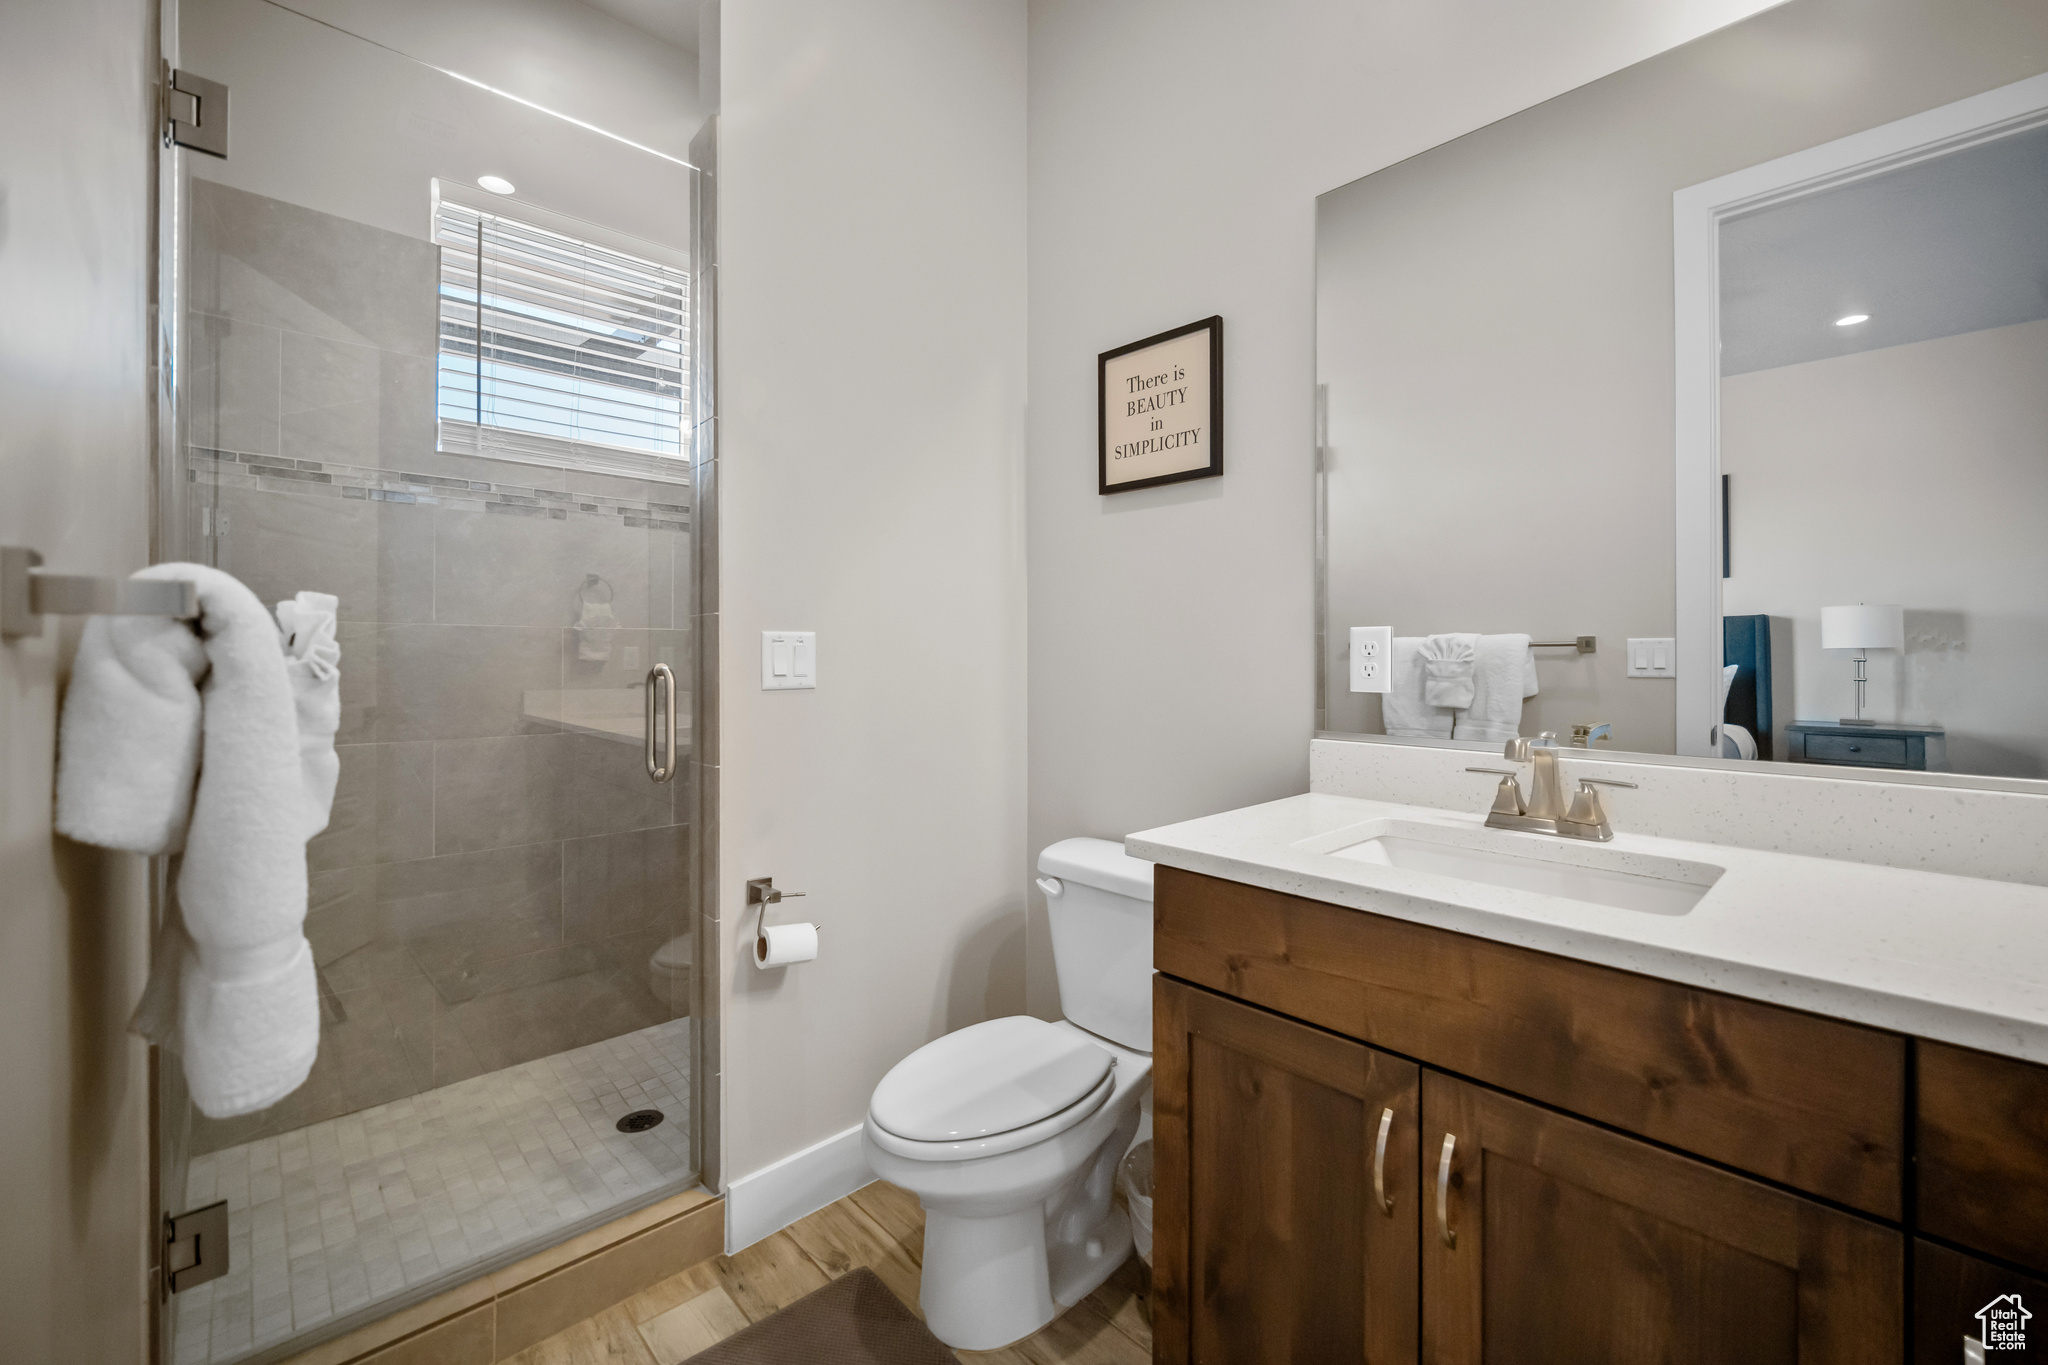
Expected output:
(1562, 1242)
(1950, 1288)
(1302, 1245)
(1579, 1222)
(1982, 1138)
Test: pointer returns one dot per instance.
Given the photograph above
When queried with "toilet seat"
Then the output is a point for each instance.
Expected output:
(998, 1143)
(989, 1088)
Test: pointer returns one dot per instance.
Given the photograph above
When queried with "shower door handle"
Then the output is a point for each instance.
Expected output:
(661, 723)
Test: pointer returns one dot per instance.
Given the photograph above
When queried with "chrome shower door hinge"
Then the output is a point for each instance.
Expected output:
(195, 112)
(195, 1247)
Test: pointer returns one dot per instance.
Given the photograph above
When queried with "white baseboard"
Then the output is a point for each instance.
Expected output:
(764, 1203)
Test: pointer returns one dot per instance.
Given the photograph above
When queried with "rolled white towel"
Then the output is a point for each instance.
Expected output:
(128, 742)
(1447, 664)
(232, 988)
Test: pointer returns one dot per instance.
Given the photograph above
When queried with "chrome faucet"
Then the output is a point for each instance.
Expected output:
(1545, 811)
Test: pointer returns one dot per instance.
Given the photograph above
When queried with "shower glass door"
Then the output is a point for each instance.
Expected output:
(463, 406)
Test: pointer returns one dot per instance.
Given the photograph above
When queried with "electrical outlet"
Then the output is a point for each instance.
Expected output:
(1652, 658)
(1372, 658)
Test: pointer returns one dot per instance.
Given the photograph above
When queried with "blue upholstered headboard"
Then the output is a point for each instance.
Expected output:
(1746, 643)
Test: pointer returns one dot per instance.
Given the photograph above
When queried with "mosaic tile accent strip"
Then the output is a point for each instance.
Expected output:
(277, 474)
(332, 1217)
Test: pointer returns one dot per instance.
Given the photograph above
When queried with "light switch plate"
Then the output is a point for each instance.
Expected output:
(1652, 658)
(789, 659)
(1372, 650)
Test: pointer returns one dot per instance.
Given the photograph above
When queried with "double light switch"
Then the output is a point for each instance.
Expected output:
(789, 658)
(1652, 658)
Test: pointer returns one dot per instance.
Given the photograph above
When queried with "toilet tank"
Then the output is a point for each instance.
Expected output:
(1100, 902)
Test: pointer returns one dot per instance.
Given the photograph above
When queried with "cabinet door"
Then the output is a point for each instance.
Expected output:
(1983, 1165)
(1284, 1225)
(1561, 1242)
(1959, 1301)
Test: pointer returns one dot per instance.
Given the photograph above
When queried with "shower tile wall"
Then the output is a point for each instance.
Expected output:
(491, 887)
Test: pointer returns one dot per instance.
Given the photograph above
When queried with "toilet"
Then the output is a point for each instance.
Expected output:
(1009, 1132)
(668, 972)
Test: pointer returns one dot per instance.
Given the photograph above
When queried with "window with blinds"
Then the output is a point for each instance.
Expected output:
(556, 350)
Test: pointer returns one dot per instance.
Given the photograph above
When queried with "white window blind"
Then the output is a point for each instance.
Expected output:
(556, 350)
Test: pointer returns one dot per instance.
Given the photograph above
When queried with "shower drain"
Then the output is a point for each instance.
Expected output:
(640, 1120)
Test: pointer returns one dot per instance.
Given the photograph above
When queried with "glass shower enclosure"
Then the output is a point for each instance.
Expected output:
(436, 353)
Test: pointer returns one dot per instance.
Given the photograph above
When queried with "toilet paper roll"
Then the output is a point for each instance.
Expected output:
(781, 944)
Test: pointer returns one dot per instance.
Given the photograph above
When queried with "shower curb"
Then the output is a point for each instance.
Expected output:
(498, 1315)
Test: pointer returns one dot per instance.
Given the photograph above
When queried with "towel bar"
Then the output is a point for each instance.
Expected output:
(1585, 644)
(27, 595)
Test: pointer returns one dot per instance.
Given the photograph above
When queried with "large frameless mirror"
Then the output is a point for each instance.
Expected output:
(1822, 541)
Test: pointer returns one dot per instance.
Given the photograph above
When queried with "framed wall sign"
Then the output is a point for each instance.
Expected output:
(1159, 408)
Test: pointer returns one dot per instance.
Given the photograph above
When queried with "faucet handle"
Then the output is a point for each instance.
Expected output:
(1507, 798)
(1587, 810)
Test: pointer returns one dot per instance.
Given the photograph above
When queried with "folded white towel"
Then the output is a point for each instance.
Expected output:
(1447, 662)
(596, 624)
(154, 706)
(1403, 708)
(312, 661)
(1503, 674)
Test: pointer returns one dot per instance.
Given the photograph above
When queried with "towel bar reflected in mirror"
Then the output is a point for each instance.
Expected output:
(27, 595)
(1585, 644)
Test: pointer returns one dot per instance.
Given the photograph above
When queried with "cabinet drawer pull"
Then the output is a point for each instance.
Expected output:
(1443, 1192)
(1379, 1164)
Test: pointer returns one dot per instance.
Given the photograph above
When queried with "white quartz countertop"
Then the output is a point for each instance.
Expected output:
(1956, 959)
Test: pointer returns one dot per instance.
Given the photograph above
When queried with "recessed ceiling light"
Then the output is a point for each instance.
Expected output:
(498, 184)
(1849, 321)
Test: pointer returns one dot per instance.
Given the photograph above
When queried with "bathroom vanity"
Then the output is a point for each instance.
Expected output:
(1414, 1105)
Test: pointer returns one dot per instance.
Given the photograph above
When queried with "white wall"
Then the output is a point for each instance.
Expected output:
(1177, 147)
(1919, 475)
(569, 57)
(331, 122)
(75, 228)
(871, 370)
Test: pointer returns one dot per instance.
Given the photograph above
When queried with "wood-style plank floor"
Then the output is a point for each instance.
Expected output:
(880, 1227)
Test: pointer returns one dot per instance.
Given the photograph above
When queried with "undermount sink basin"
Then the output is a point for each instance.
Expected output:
(1585, 872)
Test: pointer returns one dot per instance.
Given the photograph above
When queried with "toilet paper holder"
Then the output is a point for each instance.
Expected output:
(762, 891)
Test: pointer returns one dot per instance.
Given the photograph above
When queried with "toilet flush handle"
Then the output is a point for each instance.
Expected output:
(1052, 887)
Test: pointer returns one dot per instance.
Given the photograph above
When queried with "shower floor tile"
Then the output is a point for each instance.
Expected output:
(328, 1218)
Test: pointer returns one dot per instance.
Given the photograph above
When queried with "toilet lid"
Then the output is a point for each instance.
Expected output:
(988, 1078)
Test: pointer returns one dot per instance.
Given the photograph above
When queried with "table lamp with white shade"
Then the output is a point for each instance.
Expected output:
(1862, 628)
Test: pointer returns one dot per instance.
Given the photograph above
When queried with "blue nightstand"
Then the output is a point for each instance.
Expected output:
(1915, 747)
